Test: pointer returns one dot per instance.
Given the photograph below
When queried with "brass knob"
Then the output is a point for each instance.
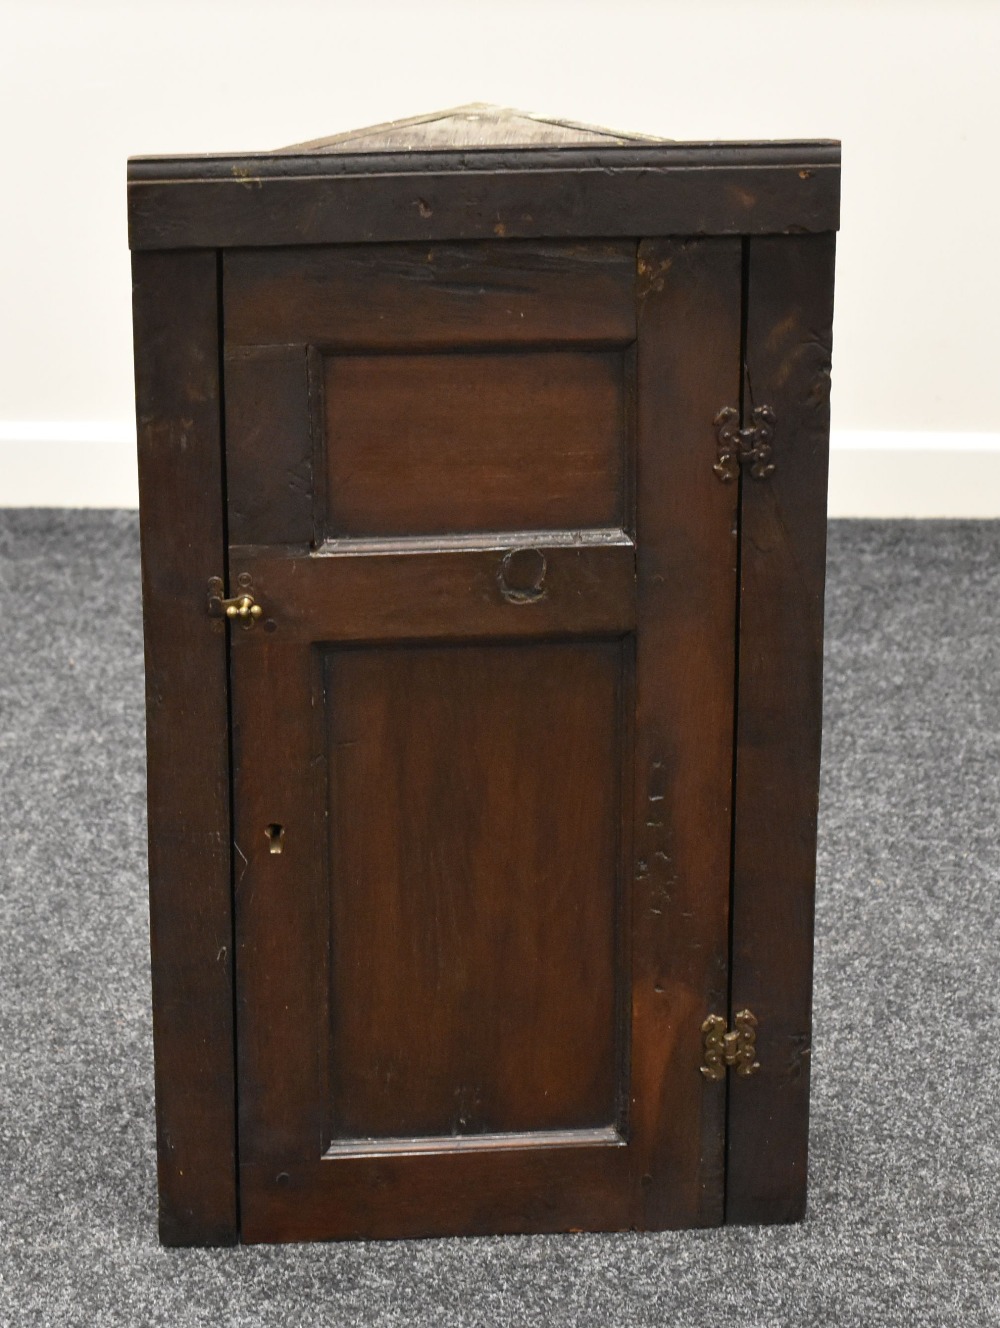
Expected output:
(245, 609)
(242, 608)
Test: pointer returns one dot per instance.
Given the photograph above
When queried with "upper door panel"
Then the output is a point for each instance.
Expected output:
(428, 391)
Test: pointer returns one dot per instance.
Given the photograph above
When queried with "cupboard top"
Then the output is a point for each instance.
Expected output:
(482, 173)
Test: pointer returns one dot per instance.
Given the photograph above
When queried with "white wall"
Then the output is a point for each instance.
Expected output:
(910, 87)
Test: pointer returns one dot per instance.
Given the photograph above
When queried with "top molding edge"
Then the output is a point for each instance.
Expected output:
(682, 189)
(290, 164)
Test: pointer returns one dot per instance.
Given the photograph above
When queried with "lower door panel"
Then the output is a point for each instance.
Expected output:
(475, 816)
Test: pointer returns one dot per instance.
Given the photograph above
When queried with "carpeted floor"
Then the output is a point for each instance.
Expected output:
(904, 1217)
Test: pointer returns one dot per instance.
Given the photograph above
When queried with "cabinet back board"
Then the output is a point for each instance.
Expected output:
(484, 711)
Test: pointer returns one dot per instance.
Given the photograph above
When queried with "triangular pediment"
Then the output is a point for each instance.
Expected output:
(477, 125)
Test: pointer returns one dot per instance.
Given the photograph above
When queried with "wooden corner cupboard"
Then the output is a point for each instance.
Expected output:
(483, 497)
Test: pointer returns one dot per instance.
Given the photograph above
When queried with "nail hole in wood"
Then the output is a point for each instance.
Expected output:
(522, 576)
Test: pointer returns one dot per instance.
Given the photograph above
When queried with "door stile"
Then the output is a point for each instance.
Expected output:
(181, 484)
(688, 367)
(282, 931)
(788, 346)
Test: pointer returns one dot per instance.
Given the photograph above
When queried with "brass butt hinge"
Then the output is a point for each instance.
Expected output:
(243, 608)
(736, 1049)
(750, 446)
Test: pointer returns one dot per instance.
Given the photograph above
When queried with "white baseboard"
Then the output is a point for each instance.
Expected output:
(68, 464)
(883, 474)
(872, 474)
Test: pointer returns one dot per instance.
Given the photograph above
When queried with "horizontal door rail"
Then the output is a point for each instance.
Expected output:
(525, 585)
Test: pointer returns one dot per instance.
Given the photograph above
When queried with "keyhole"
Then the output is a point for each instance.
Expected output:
(275, 837)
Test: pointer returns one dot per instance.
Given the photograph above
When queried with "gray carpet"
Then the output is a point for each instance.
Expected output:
(904, 1215)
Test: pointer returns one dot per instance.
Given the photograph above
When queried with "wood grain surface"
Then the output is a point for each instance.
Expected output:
(780, 709)
(586, 191)
(270, 444)
(409, 591)
(514, 780)
(432, 444)
(689, 357)
(175, 302)
(477, 125)
(474, 812)
(471, 981)
(421, 297)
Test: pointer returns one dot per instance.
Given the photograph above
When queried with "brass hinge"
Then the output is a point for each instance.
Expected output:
(242, 608)
(750, 446)
(722, 1049)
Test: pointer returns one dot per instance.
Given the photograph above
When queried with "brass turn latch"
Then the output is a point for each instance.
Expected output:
(243, 608)
(722, 1049)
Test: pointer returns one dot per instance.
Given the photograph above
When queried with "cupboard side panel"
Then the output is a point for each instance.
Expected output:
(181, 522)
(780, 698)
(688, 367)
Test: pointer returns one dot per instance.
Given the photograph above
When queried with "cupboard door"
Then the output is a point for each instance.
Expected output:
(482, 733)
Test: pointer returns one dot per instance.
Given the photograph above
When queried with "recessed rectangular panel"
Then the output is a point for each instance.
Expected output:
(505, 440)
(474, 820)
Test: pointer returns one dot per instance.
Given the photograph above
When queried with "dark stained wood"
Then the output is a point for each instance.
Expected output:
(418, 442)
(285, 163)
(780, 685)
(511, 1186)
(415, 297)
(478, 125)
(456, 823)
(533, 699)
(473, 967)
(377, 591)
(279, 778)
(628, 191)
(180, 492)
(688, 357)
(293, 1184)
(425, 444)
(269, 434)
